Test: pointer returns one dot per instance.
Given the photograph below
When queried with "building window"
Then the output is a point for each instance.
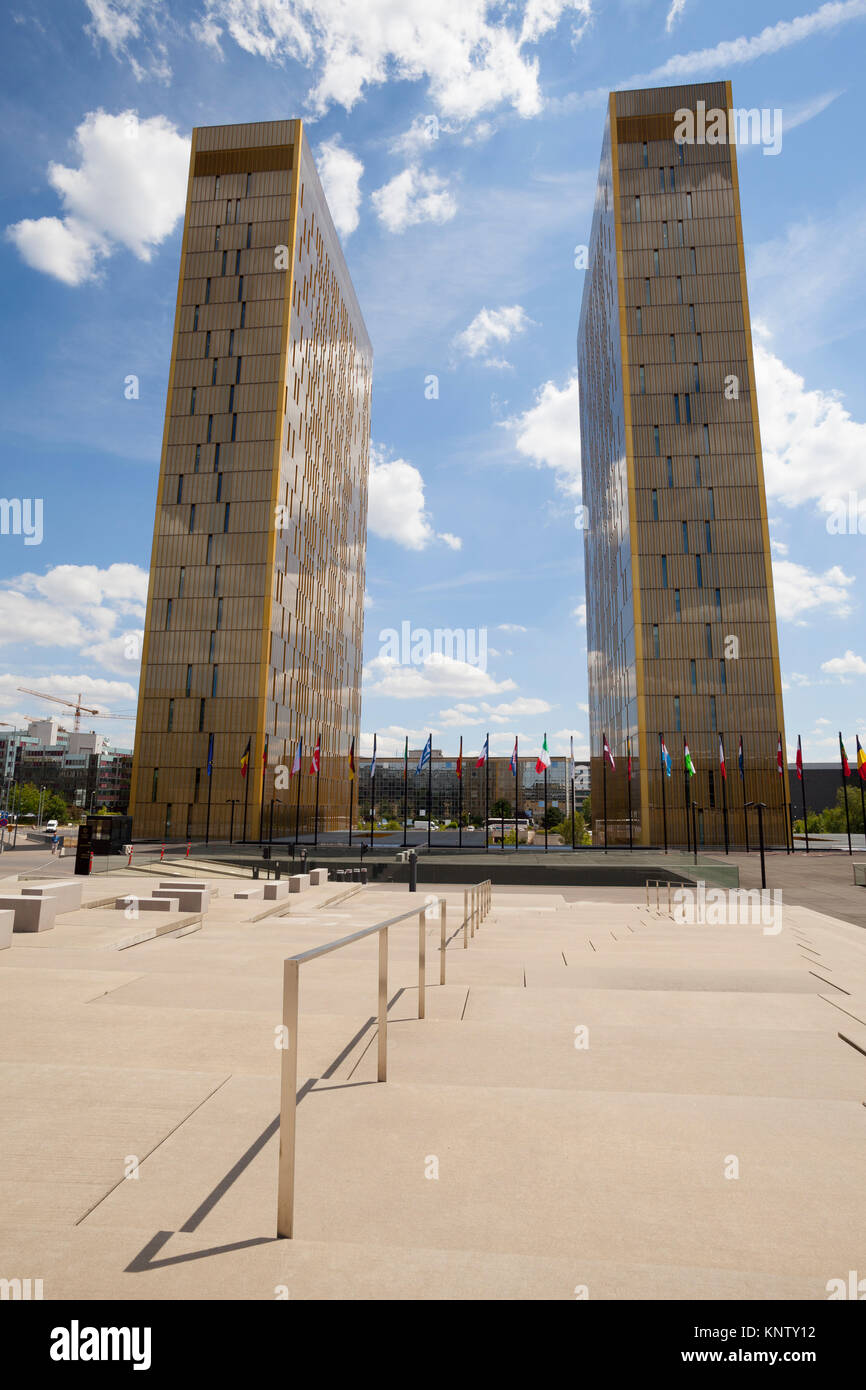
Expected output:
(685, 538)
(700, 349)
(197, 785)
(213, 375)
(697, 471)
(195, 320)
(637, 209)
(670, 468)
(189, 680)
(207, 291)
(676, 410)
(697, 380)
(692, 317)
(665, 235)
(679, 290)
(678, 612)
(718, 605)
(655, 505)
(699, 571)
(673, 347)
(688, 205)
(231, 342)
(238, 372)
(709, 632)
(197, 458)
(219, 487)
(167, 831)
(249, 185)
(213, 688)
(681, 152)
(713, 725)
(180, 579)
(234, 428)
(656, 439)
(238, 261)
(240, 288)
(231, 398)
(693, 675)
(673, 183)
(216, 458)
(192, 401)
(216, 189)
(678, 728)
(642, 377)
(645, 155)
(656, 262)
(209, 428)
(656, 648)
(223, 271)
(226, 518)
(219, 616)
(192, 517)
(708, 537)
(648, 291)
(693, 260)
(249, 235)
(170, 716)
(179, 487)
(711, 780)
(639, 321)
(216, 580)
(216, 238)
(212, 648)
(706, 439)
(664, 571)
(154, 784)
(662, 178)
(679, 234)
(201, 714)
(688, 409)
(723, 675)
(243, 314)
(207, 344)
(209, 549)
(712, 504)
(167, 614)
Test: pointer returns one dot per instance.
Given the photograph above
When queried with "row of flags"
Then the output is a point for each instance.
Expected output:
(691, 770)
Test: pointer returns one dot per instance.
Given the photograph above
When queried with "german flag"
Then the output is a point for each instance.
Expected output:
(245, 760)
(352, 762)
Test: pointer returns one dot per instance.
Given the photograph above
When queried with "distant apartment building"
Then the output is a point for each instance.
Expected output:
(79, 766)
(254, 624)
(681, 620)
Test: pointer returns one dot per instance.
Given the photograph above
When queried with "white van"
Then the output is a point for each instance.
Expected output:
(50, 827)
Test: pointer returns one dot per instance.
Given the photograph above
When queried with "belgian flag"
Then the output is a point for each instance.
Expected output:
(245, 760)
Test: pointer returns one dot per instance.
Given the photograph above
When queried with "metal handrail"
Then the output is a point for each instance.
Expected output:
(480, 906)
(656, 883)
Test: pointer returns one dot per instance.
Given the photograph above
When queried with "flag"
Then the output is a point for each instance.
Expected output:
(426, 754)
(846, 770)
(666, 757)
(780, 765)
(513, 763)
(352, 762)
(460, 759)
(245, 760)
(210, 755)
(542, 762)
(482, 756)
(406, 758)
(861, 761)
(687, 760)
(800, 758)
(608, 756)
(628, 752)
(741, 762)
(314, 765)
(722, 767)
(373, 763)
(296, 763)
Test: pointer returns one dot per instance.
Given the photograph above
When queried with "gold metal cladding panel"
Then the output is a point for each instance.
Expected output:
(244, 160)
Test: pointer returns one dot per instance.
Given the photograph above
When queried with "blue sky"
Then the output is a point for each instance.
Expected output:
(458, 144)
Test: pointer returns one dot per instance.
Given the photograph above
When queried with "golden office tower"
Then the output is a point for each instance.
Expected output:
(255, 608)
(681, 621)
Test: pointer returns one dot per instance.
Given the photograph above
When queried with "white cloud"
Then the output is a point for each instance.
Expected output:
(548, 433)
(580, 613)
(412, 197)
(471, 58)
(118, 22)
(799, 591)
(845, 666)
(76, 606)
(800, 426)
(676, 9)
(396, 506)
(129, 189)
(340, 172)
(491, 326)
(106, 695)
(438, 675)
(510, 627)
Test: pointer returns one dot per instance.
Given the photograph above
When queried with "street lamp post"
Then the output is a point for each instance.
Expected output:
(232, 801)
(695, 809)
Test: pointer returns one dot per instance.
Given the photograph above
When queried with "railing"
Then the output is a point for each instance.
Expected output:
(477, 902)
(656, 883)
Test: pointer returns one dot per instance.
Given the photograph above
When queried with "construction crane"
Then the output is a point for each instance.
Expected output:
(75, 705)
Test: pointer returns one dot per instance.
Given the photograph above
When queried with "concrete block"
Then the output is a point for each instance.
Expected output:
(189, 883)
(191, 899)
(7, 923)
(247, 893)
(30, 913)
(66, 891)
(318, 876)
(298, 883)
(275, 890)
(148, 904)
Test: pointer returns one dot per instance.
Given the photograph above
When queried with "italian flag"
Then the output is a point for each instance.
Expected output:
(543, 759)
(687, 758)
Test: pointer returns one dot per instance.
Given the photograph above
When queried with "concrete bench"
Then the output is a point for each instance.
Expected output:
(189, 883)
(277, 889)
(66, 891)
(7, 923)
(190, 899)
(318, 876)
(298, 883)
(30, 913)
(246, 893)
(138, 904)
(860, 874)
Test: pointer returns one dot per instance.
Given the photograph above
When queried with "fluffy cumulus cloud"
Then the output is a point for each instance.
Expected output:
(814, 451)
(548, 433)
(475, 55)
(112, 697)
(120, 23)
(491, 328)
(845, 667)
(128, 189)
(396, 505)
(801, 593)
(412, 197)
(340, 172)
(437, 675)
(96, 611)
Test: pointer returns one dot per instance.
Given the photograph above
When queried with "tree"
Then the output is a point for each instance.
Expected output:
(580, 835)
(551, 818)
(501, 807)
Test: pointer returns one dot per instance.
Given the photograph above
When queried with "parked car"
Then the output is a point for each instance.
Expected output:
(50, 827)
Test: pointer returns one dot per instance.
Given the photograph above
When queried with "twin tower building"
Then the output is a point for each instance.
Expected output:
(254, 624)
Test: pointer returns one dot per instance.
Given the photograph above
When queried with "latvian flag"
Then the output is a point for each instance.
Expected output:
(606, 753)
(722, 768)
(482, 756)
(800, 759)
(314, 765)
(542, 762)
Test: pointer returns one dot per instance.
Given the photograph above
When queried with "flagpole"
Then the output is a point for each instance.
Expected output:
(664, 801)
(802, 772)
(628, 770)
(298, 801)
(604, 786)
(862, 797)
(351, 787)
(372, 791)
(209, 788)
(742, 763)
(573, 806)
(246, 794)
(844, 790)
(516, 808)
(318, 770)
(487, 793)
(460, 796)
(405, 788)
(786, 815)
(686, 787)
(545, 804)
(430, 794)
(264, 775)
(725, 796)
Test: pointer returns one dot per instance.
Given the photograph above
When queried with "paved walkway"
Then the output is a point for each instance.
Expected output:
(599, 1098)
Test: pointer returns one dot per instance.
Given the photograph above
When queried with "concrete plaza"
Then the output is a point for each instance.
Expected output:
(601, 1102)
